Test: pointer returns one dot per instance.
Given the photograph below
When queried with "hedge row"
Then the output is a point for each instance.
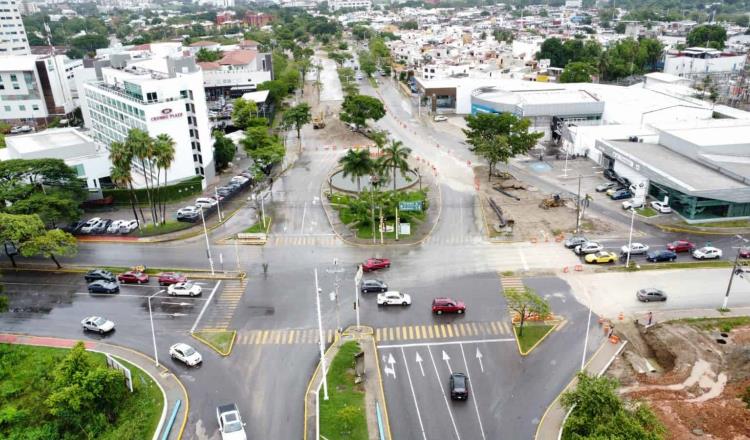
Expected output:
(187, 187)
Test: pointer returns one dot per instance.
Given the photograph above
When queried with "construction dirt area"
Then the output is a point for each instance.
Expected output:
(694, 376)
(336, 134)
(517, 211)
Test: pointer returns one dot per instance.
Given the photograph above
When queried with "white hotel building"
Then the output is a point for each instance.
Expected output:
(158, 95)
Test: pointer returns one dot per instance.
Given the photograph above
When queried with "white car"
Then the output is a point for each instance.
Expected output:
(661, 207)
(707, 253)
(205, 202)
(128, 226)
(185, 354)
(114, 227)
(184, 289)
(394, 298)
(440, 118)
(188, 210)
(97, 324)
(632, 203)
(240, 180)
(589, 247)
(89, 225)
(635, 249)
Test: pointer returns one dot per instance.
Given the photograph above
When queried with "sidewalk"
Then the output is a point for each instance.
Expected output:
(372, 381)
(169, 383)
(550, 427)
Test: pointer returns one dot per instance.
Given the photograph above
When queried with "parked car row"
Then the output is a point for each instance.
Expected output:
(99, 225)
(593, 251)
(192, 213)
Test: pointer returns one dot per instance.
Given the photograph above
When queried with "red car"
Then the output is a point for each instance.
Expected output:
(169, 278)
(132, 276)
(681, 246)
(447, 305)
(745, 252)
(375, 263)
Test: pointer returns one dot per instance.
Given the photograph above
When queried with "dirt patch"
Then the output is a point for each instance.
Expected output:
(523, 204)
(696, 392)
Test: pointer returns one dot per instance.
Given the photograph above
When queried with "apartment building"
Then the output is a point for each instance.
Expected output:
(13, 39)
(237, 72)
(157, 95)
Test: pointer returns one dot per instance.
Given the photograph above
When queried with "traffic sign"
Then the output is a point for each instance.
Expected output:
(410, 206)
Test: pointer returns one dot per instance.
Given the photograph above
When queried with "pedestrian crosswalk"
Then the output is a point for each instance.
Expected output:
(511, 283)
(224, 304)
(384, 334)
(454, 240)
(305, 240)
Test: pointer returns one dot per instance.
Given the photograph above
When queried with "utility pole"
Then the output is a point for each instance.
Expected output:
(357, 279)
(396, 225)
(630, 237)
(382, 224)
(734, 271)
(336, 270)
(320, 338)
(578, 207)
(218, 203)
(208, 246)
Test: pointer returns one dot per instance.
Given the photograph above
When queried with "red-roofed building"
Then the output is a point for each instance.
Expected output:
(237, 72)
(257, 19)
(224, 16)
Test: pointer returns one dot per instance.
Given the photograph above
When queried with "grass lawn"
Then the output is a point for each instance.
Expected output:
(342, 416)
(357, 214)
(26, 374)
(646, 211)
(221, 341)
(726, 224)
(532, 333)
(257, 227)
(723, 324)
(170, 226)
(676, 265)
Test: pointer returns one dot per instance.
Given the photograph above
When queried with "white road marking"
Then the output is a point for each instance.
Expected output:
(428, 344)
(523, 259)
(418, 360)
(413, 394)
(479, 358)
(304, 212)
(474, 398)
(447, 360)
(442, 391)
(390, 370)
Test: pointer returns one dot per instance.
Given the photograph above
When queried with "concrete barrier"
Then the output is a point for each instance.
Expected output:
(253, 238)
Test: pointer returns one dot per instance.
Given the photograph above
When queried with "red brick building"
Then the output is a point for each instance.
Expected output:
(257, 19)
(223, 17)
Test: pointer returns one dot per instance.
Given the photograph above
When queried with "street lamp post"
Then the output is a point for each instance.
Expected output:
(336, 270)
(357, 279)
(320, 338)
(734, 271)
(218, 203)
(578, 207)
(208, 246)
(630, 237)
(153, 334)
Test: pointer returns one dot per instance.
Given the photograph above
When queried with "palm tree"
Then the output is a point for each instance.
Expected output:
(120, 173)
(356, 163)
(395, 157)
(380, 138)
(141, 145)
(163, 156)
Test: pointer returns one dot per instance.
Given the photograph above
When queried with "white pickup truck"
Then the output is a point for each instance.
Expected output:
(230, 422)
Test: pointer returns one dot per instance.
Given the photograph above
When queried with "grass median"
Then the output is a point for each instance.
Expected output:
(35, 405)
(258, 227)
(150, 230)
(532, 334)
(343, 416)
(219, 340)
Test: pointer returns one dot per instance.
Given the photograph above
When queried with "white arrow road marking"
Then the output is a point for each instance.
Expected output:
(390, 370)
(419, 361)
(170, 314)
(413, 394)
(183, 304)
(447, 359)
(479, 358)
(442, 391)
(474, 397)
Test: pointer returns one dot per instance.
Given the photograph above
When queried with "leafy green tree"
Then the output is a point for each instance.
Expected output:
(707, 35)
(277, 89)
(296, 117)
(620, 28)
(205, 55)
(262, 147)
(525, 302)
(50, 243)
(499, 137)
(599, 413)
(356, 163)
(245, 115)
(577, 72)
(367, 63)
(408, 25)
(357, 109)
(90, 43)
(552, 49)
(224, 150)
(395, 157)
(51, 208)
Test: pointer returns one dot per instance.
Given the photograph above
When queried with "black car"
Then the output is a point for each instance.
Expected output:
(99, 274)
(190, 217)
(373, 286)
(224, 191)
(661, 256)
(74, 228)
(101, 227)
(102, 286)
(459, 386)
(574, 241)
(651, 294)
(624, 181)
(610, 174)
(621, 194)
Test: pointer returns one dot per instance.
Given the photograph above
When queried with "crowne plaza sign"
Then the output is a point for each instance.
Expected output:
(166, 113)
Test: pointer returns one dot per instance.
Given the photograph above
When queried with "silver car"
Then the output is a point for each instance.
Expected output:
(97, 324)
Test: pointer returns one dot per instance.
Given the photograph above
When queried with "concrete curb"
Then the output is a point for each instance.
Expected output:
(310, 384)
(212, 346)
(554, 325)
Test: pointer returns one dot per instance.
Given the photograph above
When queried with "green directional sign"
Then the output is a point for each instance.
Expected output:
(410, 206)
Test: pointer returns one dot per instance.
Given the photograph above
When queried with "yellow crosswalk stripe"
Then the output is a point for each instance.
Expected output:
(411, 334)
(485, 328)
(390, 333)
(290, 340)
(276, 336)
(429, 331)
(495, 330)
(417, 334)
(474, 327)
(442, 329)
(462, 329)
(377, 335)
(450, 330)
(398, 332)
(329, 337)
(265, 336)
